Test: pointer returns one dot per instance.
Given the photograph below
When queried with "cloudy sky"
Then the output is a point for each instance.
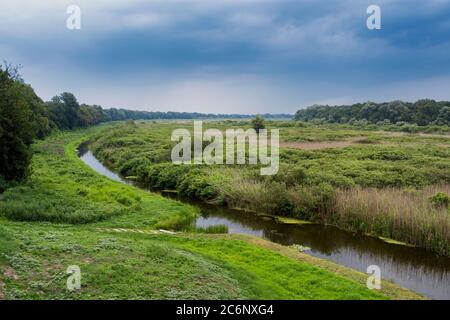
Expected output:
(230, 56)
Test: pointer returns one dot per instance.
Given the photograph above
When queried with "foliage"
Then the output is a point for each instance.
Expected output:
(440, 199)
(63, 190)
(310, 183)
(422, 112)
(24, 117)
(16, 126)
(258, 123)
(401, 214)
(134, 265)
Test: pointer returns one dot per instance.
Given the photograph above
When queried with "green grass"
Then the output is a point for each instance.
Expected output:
(133, 266)
(64, 190)
(325, 184)
(36, 248)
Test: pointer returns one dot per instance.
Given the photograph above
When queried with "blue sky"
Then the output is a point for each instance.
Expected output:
(230, 56)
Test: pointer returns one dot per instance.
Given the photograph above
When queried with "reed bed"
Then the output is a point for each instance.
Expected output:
(400, 214)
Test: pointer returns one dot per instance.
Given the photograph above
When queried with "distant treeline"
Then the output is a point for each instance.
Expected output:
(64, 112)
(24, 117)
(422, 112)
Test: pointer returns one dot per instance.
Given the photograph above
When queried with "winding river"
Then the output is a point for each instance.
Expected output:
(413, 268)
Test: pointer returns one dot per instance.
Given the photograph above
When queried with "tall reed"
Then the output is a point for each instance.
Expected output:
(401, 214)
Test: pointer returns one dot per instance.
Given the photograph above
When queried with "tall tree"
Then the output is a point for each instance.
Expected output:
(16, 127)
(258, 123)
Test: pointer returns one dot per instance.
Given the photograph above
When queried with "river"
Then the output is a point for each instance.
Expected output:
(412, 268)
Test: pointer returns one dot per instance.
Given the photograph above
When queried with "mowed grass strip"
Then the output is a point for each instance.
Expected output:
(139, 266)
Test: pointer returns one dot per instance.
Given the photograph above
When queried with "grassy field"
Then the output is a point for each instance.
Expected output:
(385, 183)
(69, 215)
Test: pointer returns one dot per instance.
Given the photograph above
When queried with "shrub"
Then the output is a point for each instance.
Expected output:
(440, 199)
(271, 197)
(4, 184)
(165, 175)
(196, 185)
(258, 123)
(291, 176)
(135, 166)
(388, 155)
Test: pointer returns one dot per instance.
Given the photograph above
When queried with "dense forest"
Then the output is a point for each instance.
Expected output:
(422, 112)
(25, 117)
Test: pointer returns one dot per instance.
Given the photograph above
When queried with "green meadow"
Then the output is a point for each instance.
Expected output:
(371, 179)
(67, 214)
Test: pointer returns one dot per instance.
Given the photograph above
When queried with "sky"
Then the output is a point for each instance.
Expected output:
(230, 56)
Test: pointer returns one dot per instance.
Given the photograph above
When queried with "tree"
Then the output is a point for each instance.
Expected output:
(72, 110)
(16, 126)
(444, 116)
(258, 123)
(66, 113)
(422, 112)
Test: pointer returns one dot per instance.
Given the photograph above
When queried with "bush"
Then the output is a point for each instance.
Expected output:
(165, 175)
(135, 167)
(388, 155)
(275, 199)
(440, 199)
(258, 123)
(4, 184)
(291, 176)
(196, 185)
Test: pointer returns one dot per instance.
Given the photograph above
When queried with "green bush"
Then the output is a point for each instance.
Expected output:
(196, 185)
(440, 199)
(388, 155)
(165, 175)
(290, 175)
(4, 184)
(135, 166)
(275, 199)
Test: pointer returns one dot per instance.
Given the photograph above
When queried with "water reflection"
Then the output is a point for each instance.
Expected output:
(411, 268)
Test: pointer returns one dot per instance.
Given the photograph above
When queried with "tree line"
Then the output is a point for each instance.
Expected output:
(25, 117)
(422, 112)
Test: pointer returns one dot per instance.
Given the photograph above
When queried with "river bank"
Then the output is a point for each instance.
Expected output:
(55, 221)
(414, 268)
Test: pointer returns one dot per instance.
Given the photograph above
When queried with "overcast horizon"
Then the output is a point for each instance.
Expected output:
(230, 56)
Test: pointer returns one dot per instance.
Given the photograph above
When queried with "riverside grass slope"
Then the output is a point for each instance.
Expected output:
(67, 213)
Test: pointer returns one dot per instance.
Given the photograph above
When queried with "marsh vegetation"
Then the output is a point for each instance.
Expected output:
(365, 179)
(55, 211)
(67, 214)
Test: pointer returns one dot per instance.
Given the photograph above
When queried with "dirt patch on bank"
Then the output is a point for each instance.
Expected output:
(320, 145)
(406, 134)
(10, 273)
